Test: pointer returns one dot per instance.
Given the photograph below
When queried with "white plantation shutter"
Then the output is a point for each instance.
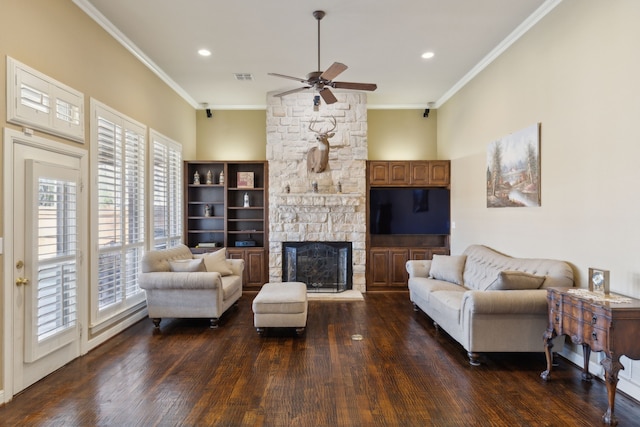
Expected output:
(37, 100)
(167, 191)
(120, 158)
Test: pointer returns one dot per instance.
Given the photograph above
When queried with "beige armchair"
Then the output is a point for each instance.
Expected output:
(181, 285)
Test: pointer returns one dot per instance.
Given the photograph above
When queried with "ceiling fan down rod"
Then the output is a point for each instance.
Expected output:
(318, 14)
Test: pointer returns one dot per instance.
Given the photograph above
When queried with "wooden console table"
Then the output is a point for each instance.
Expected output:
(602, 324)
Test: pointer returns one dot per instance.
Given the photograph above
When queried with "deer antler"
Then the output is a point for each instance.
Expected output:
(314, 121)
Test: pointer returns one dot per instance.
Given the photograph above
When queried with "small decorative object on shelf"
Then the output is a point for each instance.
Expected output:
(287, 189)
(314, 187)
(221, 178)
(207, 210)
(245, 179)
(599, 281)
(196, 178)
(209, 177)
(246, 200)
(339, 188)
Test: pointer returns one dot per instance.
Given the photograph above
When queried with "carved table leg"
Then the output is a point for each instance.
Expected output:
(586, 353)
(611, 369)
(548, 337)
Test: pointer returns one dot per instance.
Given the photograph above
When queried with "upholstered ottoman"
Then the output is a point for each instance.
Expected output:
(281, 305)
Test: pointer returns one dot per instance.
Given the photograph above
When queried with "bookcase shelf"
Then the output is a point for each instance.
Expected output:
(230, 223)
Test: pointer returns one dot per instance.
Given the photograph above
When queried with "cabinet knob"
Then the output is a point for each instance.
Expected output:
(557, 319)
(594, 336)
(594, 320)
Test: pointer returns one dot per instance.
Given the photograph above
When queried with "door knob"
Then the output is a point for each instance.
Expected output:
(22, 281)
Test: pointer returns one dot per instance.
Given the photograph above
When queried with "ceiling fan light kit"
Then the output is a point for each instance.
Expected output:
(322, 81)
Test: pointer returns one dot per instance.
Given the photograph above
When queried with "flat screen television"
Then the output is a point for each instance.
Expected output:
(409, 211)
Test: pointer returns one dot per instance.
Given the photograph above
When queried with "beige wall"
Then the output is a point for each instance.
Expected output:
(577, 73)
(241, 135)
(231, 135)
(402, 135)
(59, 40)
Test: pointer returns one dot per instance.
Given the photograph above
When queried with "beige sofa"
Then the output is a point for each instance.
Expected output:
(487, 301)
(181, 285)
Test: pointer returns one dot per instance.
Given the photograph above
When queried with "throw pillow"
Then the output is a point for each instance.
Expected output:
(216, 261)
(515, 280)
(448, 268)
(186, 265)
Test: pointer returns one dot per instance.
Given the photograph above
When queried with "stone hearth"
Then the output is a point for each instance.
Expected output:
(329, 214)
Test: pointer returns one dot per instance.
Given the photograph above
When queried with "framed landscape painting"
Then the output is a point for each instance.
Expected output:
(513, 169)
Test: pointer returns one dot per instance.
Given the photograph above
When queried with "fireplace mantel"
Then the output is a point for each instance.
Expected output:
(317, 199)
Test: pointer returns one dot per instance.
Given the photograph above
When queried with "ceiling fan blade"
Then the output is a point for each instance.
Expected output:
(355, 86)
(288, 77)
(328, 96)
(333, 71)
(289, 92)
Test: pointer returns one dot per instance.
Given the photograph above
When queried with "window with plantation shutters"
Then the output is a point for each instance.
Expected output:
(119, 147)
(167, 191)
(38, 101)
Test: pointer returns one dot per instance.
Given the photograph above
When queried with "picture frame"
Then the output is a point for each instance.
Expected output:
(599, 281)
(513, 173)
(245, 179)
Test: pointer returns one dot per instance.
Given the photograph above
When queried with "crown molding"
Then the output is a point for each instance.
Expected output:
(521, 30)
(101, 20)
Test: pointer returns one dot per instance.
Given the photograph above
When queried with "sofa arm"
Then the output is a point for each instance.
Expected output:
(171, 280)
(530, 301)
(236, 265)
(418, 268)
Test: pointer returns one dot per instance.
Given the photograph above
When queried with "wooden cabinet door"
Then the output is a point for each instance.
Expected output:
(439, 172)
(419, 254)
(419, 173)
(398, 173)
(398, 273)
(379, 268)
(254, 266)
(378, 173)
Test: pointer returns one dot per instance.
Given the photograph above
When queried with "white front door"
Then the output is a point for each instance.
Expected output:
(48, 220)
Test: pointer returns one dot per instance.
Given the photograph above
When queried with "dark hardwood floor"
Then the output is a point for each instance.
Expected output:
(402, 373)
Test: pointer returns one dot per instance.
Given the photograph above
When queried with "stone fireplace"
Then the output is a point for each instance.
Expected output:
(332, 210)
(323, 266)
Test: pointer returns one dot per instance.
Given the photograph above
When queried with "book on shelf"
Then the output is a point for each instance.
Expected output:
(245, 179)
(207, 245)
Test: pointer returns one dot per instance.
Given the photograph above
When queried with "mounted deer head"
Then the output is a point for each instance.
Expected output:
(318, 157)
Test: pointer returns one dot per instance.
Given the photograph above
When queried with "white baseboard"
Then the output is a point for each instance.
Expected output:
(626, 386)
(114, 330)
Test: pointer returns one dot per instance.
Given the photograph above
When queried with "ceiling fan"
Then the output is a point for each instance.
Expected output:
(321, 81)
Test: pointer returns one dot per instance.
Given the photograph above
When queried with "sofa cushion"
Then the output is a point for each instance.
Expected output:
(230, 285)
(217, 261)
(448, 268)
(516, 280)
(186, 265)
(158, 260)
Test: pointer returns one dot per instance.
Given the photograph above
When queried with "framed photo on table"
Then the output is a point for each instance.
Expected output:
(245, 179)
(599, 281)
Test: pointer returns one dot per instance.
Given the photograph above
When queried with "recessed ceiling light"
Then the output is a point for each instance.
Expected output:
(428, 55)
(204, 52)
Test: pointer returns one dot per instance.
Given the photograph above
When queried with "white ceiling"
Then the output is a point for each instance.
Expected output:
(380, 40)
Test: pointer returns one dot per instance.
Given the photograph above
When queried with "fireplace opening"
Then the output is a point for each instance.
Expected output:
(323, 266)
